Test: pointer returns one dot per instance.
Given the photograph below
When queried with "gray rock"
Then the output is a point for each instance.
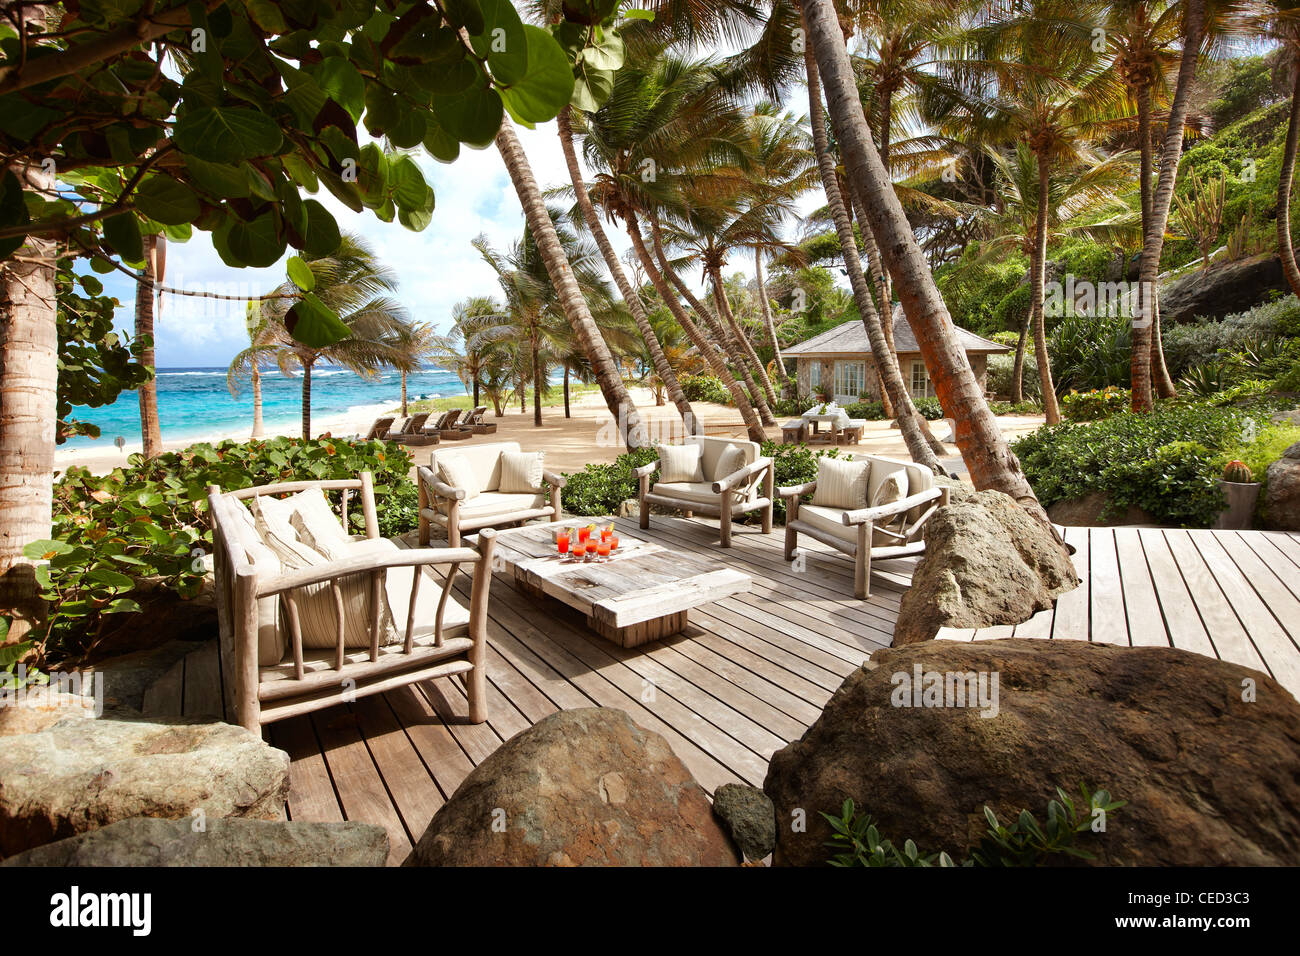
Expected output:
(581, 787)
(1210, 778)
(1282, 498)
(127, 678)
(145, 841)
(78, 774)
(749, 817)
(986, 562)
(1223, 289)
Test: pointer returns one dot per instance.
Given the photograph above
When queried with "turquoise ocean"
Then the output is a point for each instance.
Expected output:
(195, 404)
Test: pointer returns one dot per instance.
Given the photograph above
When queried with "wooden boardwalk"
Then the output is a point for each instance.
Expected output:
(752, 671)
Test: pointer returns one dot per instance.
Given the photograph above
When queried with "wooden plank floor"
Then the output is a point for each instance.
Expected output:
(752, 671)
(1234, 595)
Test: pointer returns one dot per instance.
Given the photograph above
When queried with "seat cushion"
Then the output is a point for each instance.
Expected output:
(679, 463)
(521, 472)
(831, 520)
(491, 503)
(701, 491)
(842, 483)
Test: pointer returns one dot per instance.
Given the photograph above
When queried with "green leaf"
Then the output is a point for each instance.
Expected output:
(636, 13)
(13, 212)
(322, 237)
(167, 201)
(122, 233)
(503, 41)
(546, 86)
(343, 83)
(592, 88)
(409, 130)
(257, 243)
(221, 180)
(607, 54)
(45, 549)
(440, 144)
(314, 324)
(419, 215)
(300, 274)
(473, 117)
(226, 134)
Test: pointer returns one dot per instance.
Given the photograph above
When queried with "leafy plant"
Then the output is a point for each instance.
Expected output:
(860, 843)
(705, 388)
(399, 510)
(1099, 403)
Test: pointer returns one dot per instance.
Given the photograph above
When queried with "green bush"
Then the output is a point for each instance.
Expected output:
(872, 410)
(1163, 462)
(1016, 408)
(1001, 374)
(929, 408)
(1099, 403)
(705, 388)
(399, 512)
(149, 521)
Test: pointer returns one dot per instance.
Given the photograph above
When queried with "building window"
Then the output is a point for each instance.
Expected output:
(922, 387)
(815, 374)
(850, 379)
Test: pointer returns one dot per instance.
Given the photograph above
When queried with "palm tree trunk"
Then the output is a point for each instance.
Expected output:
(1285, 249)
(257, 402)
(1037, 280)
(537, 386)
(878, 276)
(891, 379)
(575, 308)
(403, 393)
(724, 306)
(306, 399)
(150, 431)
(29, 375)
(566, 390)
(1164, 384)
(701, 343)
(984, 449)
(1154, 237)
(768, 322)
(714, 323)
(663, 368)
(1018, 369)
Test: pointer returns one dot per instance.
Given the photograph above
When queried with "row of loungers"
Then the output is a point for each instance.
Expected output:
(416, 429)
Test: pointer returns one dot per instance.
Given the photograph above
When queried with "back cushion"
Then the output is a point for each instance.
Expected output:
(842, 483)
(459, 473)
(270, 639)
(678, 463)
(484, 459)
(730, 461)
(712, 449)
(313, 518)
(521, 471)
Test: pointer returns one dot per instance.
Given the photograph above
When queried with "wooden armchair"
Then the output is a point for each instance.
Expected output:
(886, 531)
(458, 513)
(293, 652)
(722, 496)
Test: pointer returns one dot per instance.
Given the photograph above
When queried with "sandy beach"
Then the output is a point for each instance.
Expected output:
(570, 444)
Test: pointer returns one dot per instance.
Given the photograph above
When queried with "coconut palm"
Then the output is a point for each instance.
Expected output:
(353, 283)
(465, 350)
(155, 257)
(414, 345)
(248, 364)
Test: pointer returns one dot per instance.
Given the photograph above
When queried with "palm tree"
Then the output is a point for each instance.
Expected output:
(155, 257)
(414, 344)
(248, 364)
(1279, 21)
(985, 450)
(474, 358)
(353, 283)
(575, 307)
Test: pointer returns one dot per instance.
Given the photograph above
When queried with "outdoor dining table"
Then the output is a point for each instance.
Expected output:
(831, 419)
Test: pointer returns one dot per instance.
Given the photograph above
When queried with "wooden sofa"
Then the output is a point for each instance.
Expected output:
(453, 510)
(887, 531)
(288, 661)
(722, 496)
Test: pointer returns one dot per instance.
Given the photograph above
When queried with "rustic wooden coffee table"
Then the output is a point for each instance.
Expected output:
(641, 593)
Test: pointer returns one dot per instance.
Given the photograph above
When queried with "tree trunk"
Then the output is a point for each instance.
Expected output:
(498, 408)
(1037, 280)
(702, 344)
(537, 386)
(878, 276)
(984, 449)
(257, 402)
(1018, 369)
(575, 308)
(306, 399)
(403, 393)
(663, 368)
(566, 390)
(768, 322)
(1154, 237)
(150, 431)
(1164, 384)
(724, 307)
(1285, 249)
(891, 379)
(29, 375)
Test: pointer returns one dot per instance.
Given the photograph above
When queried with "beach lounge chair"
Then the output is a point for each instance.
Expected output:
(481, 498)
(311, 616)
(379, 429)
(451, 430)
(413, 432)
(475, 424)
(887, 530)
(746, 485)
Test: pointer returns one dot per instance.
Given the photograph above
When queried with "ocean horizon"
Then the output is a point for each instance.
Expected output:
(195, 404)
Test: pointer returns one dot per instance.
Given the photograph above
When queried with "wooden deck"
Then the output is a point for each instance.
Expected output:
(752, 671)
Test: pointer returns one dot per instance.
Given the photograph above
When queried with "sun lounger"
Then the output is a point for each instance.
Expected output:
(450, 430)
(379, 429)
(413, 432)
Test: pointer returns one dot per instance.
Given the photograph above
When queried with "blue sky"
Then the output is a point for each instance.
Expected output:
(437, 267)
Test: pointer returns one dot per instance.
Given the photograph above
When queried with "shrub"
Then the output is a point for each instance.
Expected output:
(149, 521)
(1205, 340)
(705, 388)
(1089, 352)
(1165, 462)
(400, 512)
(1099, 403)
(1001, 377)
(1016, 408)
(871, 410)
(929, 408)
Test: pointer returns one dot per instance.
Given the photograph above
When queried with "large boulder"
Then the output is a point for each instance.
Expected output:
(1282, 500)
(579, 787)
(63, 775)
(986, 562)
(145, 841)
(1223, 289)
(1210, 778)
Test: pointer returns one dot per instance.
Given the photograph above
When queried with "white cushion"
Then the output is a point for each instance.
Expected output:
(680, 463)
(730, 461)
(701, 491)
(314, 521)
(842, 483)
(890, 489)
(499, 503)
(397, 590)
(880, 475)
(270, 639)
(459, 473)
(521, 471)
(831, 520)
(485, 459)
